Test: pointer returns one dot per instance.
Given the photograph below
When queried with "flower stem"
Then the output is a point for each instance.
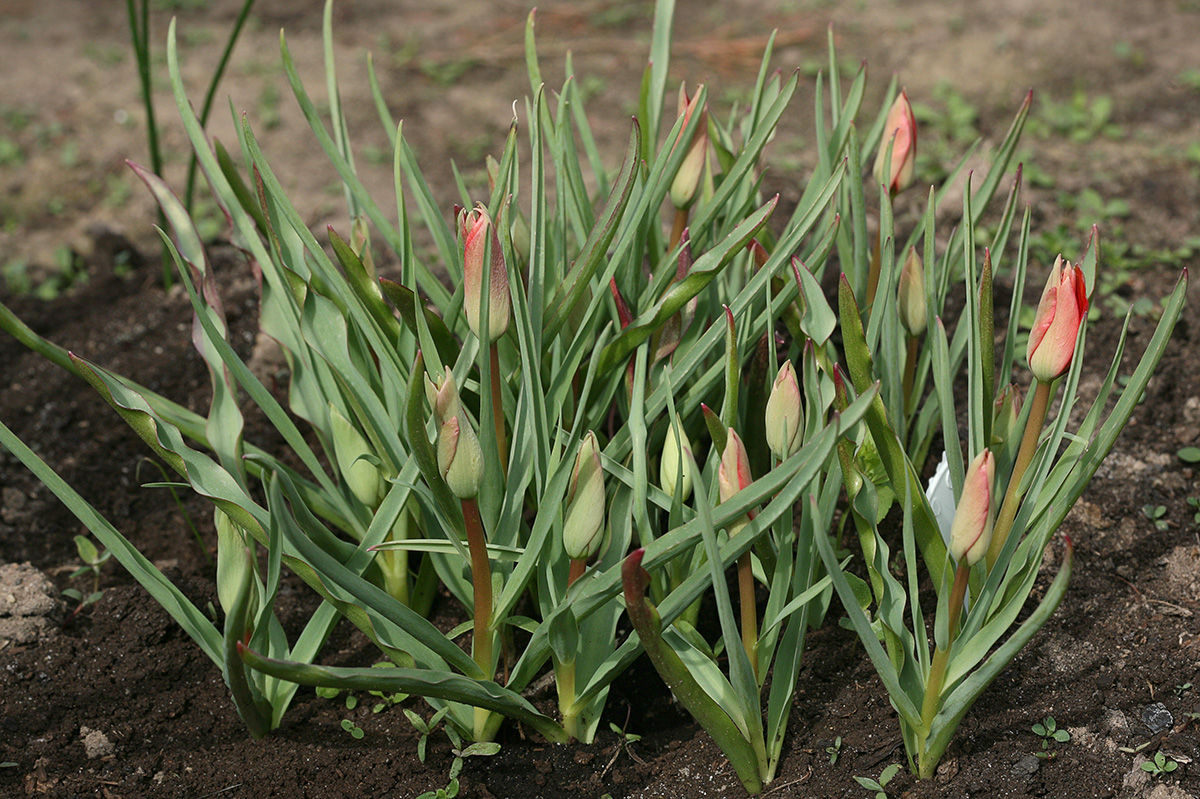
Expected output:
(680, 224)
(1012, 496)
(937, 667)
(481, 579)
(749, 611)
(498, 410)
(910, 371)
(578, 567)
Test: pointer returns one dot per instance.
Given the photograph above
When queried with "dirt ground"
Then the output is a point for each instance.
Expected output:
(116, 702)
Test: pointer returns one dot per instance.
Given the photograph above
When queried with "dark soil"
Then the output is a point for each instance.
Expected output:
(117, 702)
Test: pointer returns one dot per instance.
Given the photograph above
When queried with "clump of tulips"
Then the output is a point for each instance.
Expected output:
(494, 437)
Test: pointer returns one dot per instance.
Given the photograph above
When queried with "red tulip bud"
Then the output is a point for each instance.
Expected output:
(1061, 311)
(473, 228)
(900, 131)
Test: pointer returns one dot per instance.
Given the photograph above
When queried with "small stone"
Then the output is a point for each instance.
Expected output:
(1027, 766)
(1157, 718)
(96, 743)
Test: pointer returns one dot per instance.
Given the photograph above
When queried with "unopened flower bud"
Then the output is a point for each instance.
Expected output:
(911, 294)
(900, 133)
(691, 170)
(1005, 414)
(734, 474)
(474, 227)
(583, 526)
(785, 416)
(675, 465)
(1060, 312)
(971, 531)
(460, 458)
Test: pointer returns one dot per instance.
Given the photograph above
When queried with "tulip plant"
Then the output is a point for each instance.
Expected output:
(485, 423)
(983, 559)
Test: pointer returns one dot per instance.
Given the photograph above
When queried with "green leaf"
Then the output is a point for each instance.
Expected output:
(417, 682)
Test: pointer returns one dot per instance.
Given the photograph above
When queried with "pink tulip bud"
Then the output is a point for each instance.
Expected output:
(734, 474)
(911, 294)
(687, 179)
(1061, 311)
(473, 229)
(785, 417)
(971, 531)
(583, 526)
(900, 131)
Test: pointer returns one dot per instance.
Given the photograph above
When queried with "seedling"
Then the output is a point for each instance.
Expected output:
(623, 742)
(834, 751)
(1189, 454)
(1155, 513)
(1195, 503)
(93, 559)
(1048, 731)
(1183, 688)
(1160, 766)
(356, 732)
(879, 785)
(478, 749)
(425, 728)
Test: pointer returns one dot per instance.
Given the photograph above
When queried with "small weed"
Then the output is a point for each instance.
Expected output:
(1190, 79)
(10, 152)
(1155, 513)
(356, 732)
(1160, 766)
(834, 751)
(1048, 731)
(879, 785)
(625, 739)
(1182, 688)
(478, 749)
(1079, 119)
(93, 559)
(425, 728)
(1194, 502)
(446, 73)
(1189, 454)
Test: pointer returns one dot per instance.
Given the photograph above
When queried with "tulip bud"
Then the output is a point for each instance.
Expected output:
(443, 396)
(911, 294)
(1005, 414)
(734, 474)
(785, 418)
(349, 447)
(900, 131)
(474, 227)
(460, 458)
(360, 243)
(1062, 309)
(971, 531)
(583, 527)
(691, 170)
(675, 465)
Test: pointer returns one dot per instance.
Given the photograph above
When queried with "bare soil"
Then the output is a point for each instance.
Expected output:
(115, 701)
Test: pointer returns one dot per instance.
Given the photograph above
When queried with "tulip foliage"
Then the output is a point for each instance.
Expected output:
(562, 378)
